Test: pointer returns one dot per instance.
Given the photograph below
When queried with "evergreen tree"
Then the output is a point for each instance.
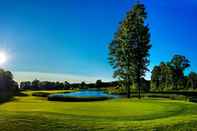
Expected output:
(129, 50)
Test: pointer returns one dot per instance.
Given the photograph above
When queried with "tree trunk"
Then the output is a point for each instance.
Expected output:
(139, 86)
(139, 89)
(128, 88)
(128, 79)
(128, 92)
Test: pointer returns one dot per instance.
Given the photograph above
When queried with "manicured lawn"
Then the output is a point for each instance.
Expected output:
(36, 113)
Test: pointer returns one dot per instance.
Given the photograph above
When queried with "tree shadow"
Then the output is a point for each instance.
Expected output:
(7, 100)
(21, 94)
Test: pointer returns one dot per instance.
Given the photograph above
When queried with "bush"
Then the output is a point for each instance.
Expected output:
(193, 99)
(77, 99)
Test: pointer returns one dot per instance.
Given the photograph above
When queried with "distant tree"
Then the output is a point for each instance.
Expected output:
(170, 75)
(83, 85)
(129, 50)
(25, 85)
(59, 85)
(44, 85)
(35, 84)
(192, 81)
(67, 85)
(98, 83)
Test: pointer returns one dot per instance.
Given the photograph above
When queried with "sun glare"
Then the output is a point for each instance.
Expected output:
(3, 58)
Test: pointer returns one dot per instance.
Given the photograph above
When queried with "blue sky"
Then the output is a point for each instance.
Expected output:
(70, 37)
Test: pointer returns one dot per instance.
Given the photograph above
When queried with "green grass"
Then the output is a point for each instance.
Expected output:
(37, 114)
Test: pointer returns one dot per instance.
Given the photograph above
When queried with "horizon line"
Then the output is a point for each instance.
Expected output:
(20, 76)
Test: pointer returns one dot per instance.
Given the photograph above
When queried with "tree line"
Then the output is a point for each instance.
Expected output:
(49, 85)
(43, 85)
(171, 76)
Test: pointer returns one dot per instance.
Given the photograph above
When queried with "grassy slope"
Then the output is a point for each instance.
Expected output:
(35, 113)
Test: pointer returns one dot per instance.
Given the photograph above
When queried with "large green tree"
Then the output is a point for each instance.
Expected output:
(129, 49)
(8, 87)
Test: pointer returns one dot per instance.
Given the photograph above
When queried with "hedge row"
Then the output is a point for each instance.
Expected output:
(77, 99)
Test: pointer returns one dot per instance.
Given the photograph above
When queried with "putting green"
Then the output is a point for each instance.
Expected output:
(106, 115)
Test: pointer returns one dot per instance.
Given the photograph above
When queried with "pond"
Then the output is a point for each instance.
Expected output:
(82, 95)
(87, 93)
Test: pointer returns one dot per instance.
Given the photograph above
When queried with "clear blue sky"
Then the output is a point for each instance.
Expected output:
(70, 37)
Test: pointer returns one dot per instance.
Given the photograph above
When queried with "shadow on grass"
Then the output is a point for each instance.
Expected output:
(12, 98)
(21, 94)
(7, 100)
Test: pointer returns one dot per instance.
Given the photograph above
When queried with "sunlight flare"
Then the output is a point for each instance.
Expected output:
(3, 58)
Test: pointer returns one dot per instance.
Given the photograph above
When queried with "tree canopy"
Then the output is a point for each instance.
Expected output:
(170, 75)
(8, 87)
(129, 49)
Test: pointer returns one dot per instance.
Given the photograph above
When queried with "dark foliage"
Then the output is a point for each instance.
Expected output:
(169, 76)
(76, 99)
(8, 87)
(46, 85)
(193, 99)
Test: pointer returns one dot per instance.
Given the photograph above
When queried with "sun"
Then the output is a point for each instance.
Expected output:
(3, 58)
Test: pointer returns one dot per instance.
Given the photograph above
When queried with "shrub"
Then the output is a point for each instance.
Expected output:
(193, 99)
(79, 99)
